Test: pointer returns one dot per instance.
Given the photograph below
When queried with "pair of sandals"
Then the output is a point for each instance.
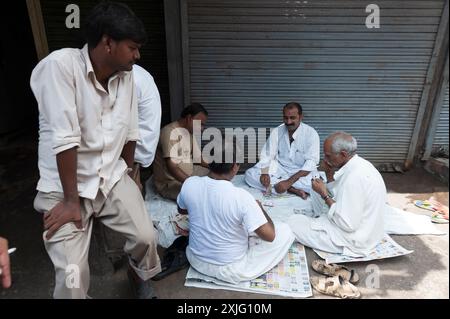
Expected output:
(340, 281)
(440, 211)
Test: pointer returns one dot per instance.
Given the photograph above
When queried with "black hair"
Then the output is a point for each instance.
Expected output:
(193, 109)
(116, 20)
(223, 167)
(291, 105)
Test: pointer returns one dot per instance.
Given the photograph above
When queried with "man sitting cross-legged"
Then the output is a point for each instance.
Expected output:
(289, 157)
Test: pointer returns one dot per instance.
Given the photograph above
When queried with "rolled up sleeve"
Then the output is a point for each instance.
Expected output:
(53, 86)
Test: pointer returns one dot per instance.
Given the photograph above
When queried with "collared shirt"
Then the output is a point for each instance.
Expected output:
(76, 111)
(177, 144)
(355, 220)
(149, 109)
(302, 154)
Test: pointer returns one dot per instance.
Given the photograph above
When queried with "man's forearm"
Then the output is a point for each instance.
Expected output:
(67, 168)
(128, 153)
(294, 178)
(175, 171)
(269, 220)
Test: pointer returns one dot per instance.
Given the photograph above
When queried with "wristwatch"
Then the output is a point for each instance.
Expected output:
(326, 197)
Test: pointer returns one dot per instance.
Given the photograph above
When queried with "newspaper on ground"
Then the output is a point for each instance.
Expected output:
(387, 248)
(290, 278)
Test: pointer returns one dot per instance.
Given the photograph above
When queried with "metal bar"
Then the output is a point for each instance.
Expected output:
(436, 114)
(441, 36)
(185, 50)
(38, 28)
(174, 56)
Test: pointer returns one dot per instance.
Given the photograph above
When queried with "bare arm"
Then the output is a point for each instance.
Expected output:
(182, 211)
(5, 272)
(283, 186)
(128, 153)
(175, 171)
(69, 209)
(267, 231)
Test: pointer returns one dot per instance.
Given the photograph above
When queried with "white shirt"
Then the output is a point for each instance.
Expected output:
(149, 110)
(76, 111)
(279, 156)
(355, 221)
(221, 216)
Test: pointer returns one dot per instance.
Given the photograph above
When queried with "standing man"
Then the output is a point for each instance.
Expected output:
(289, 156)
(149, 111)
(87, 136)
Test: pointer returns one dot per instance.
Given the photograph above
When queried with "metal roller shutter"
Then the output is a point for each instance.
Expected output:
(441, 137)
(247, 58)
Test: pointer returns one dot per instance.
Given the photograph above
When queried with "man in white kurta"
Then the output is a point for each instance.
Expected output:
(149, 111)
(289, 157)
(350, 209)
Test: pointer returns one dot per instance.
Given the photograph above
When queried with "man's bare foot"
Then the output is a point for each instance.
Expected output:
(302, 194)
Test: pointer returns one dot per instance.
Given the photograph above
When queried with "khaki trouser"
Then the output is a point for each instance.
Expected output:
(171, 189)
(123, 211)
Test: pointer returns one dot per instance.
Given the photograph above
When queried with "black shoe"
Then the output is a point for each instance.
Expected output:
(141, 289)
(173, 261)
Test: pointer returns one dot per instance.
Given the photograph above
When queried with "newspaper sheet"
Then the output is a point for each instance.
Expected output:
(387, 248)
(289, 278)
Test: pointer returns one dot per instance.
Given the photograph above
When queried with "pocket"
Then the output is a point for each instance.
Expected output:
(43, 202)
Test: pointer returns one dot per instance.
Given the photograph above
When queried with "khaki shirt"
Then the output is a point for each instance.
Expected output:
(76, 111)
(177, 144)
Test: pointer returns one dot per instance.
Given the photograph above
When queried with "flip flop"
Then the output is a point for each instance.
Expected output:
(425, 205)
(335, 286)
(335, 270)
(439, 219)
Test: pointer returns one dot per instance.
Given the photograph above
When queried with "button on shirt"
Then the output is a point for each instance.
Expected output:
(76, 111)
(279, 156)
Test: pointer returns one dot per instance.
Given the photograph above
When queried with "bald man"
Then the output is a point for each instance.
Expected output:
(349, 207)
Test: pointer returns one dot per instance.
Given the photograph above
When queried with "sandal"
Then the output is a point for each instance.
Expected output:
(334, 270)
(335, 286)
(439, 219)
(424, 204)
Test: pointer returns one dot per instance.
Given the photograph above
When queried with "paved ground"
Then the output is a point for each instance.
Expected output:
(422, 274)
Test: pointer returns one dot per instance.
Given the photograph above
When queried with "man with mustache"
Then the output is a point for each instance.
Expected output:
(88, 128)
(289, 157)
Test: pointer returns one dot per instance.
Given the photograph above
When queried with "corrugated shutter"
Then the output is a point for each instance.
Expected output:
(441, 137)
(247, 58)
(153, 54)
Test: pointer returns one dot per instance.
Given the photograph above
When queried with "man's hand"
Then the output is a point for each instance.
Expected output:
(5, 272)
(319, 186)
(64, 212)
(282, 186)
(329, 171)
(265, 180)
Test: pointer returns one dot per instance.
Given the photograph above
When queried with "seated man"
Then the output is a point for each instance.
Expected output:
(149, 111)
(221, 218)
(174, 160)
(289, 156)
(351, 218)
